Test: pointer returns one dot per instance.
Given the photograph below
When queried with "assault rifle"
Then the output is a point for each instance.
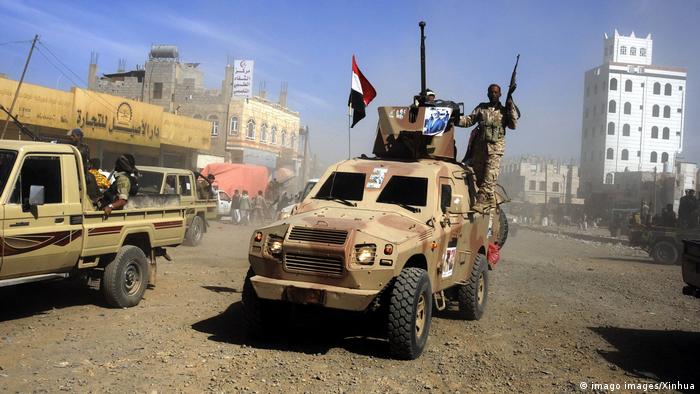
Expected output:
(513, 85)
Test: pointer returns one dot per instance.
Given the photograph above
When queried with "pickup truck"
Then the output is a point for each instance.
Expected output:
(181, 182)
(51, 229)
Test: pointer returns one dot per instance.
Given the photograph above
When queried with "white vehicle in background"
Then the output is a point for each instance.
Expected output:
(223, 204)
(289, 209)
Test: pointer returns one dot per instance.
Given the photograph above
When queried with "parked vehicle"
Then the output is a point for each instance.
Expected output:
(691, 267)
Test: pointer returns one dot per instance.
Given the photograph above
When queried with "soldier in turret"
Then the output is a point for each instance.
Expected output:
(488, 145)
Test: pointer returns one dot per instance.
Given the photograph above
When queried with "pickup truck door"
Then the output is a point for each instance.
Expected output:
(454, 256)
(47, 237)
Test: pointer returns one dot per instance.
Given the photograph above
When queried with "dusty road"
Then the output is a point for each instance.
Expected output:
(561, 312)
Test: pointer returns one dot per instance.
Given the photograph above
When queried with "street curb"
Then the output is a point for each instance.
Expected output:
(584, 237)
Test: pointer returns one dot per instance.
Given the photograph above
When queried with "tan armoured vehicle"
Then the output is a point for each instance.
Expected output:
(201, 207)
(393, 234)
(51, 229)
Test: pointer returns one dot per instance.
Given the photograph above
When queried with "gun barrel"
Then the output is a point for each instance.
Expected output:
(423, 87)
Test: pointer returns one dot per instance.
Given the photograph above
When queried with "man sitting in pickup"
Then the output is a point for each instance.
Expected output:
(124, 185)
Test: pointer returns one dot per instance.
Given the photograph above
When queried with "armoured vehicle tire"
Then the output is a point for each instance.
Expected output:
(195, 232)
(410, 310)
(665, 252)
(474, 295)
(502, 228)
(258, 314)
(125, 278)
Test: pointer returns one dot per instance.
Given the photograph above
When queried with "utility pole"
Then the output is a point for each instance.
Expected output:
(19, 85)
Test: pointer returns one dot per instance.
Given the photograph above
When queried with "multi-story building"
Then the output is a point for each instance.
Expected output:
(251, 130)
(632, 113)
(534, 180)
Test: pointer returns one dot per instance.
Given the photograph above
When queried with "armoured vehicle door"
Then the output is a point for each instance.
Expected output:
(42, 225)
(452, 245)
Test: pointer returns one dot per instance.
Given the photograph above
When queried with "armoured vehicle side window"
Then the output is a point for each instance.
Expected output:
(7, 160)
(39, 171)
(344, 185)
(407, 190)
(150, 182)
(445, 197)
(185, 185)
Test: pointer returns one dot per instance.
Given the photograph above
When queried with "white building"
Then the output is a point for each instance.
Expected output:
(632, 113)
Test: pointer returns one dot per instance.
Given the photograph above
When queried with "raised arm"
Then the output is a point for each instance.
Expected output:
(471, 119)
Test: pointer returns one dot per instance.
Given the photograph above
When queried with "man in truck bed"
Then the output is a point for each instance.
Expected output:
(118, 193)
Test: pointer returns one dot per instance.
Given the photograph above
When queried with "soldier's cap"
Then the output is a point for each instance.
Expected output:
(76, 132)
(429, 92)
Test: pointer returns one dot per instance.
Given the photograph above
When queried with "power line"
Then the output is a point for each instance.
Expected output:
(15, 42)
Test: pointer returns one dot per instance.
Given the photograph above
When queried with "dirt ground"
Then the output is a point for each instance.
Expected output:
(561, 312)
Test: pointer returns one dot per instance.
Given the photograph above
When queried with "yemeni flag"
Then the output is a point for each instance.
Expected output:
(361, 93)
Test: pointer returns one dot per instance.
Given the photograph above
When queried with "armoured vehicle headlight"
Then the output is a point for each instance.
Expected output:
(258, 236)
(364, 254)
(274, 245)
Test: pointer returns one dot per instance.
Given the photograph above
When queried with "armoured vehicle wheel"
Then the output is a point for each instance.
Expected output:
(665, 252)
(410, 310)
(125, 278)
(502, 228)
(474, 295)
(258, 314)
(195, 232)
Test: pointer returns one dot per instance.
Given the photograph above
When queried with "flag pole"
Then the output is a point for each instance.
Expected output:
(349, 125)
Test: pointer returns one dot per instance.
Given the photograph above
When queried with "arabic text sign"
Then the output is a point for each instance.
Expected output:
(37, 105)
(243, 78)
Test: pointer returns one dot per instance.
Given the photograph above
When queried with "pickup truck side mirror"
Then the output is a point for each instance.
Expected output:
(457, 205)
(36, 195)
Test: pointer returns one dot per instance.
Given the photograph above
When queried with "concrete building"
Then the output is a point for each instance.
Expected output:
(633, 113)
(243, 130)
(534, 180)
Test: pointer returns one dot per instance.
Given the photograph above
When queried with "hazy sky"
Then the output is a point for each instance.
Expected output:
(470, 44)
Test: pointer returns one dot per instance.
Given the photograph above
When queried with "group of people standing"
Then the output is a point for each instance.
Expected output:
(245, 210)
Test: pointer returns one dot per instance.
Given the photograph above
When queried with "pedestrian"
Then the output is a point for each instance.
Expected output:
(488, 145)
(686, 206)
(245, 208)
(259, 206)
(668, 216)
(236, 207)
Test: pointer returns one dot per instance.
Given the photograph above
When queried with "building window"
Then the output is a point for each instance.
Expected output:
(667, 89)
(654, 132)
(611, 128)
(609, 178)
(655, 111)
(628, 85)
(666, 133)
(533, 185)
(664, 157)
(667, 111)
(543, 186)
(642, 52)
(214, 125)
(233, 126)
(626, 130)
(628, 108)
(610, 154)
(263, 133)
(613, 84)
(625, 155)
(283, 138)
(633, 51)
(273, 135)
(157, 90)
(623, 50)
(653, 157)
(250, 130)
(657, 88)
(555, 187)
(612, 106)
(293, 142)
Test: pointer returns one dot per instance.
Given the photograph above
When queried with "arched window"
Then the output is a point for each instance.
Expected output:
(628, 108)
(613, 84)
(657, 88)
(625, 155)
(214, 125)
(293, 142)
(611, 128)
(626, 130)
(666, 133)
(612, 106)
(653, 157)
(283, 138)
(633, 51)
(664, 157)
(628, 85)
(233, 126)
(610, 154)
(263, 133)
(623, 50)
(667, 89)
(655, 111)
(609, 178)
(654, 132)
(642, 52)
(667, 111)
(250, 130)
(273, 135)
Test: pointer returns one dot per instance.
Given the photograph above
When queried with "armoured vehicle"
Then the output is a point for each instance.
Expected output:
(392, 234)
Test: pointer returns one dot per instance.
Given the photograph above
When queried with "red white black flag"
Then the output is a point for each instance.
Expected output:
(361, 93)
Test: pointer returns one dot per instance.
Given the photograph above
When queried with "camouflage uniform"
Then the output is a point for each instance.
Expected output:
(123, 185)
(488, 146)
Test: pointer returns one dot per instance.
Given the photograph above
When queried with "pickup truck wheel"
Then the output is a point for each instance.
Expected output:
(665, 252)
(502, 228)
(195, 232)
(474, 295)
(410, 310)
(258, 314)
(125, 278)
